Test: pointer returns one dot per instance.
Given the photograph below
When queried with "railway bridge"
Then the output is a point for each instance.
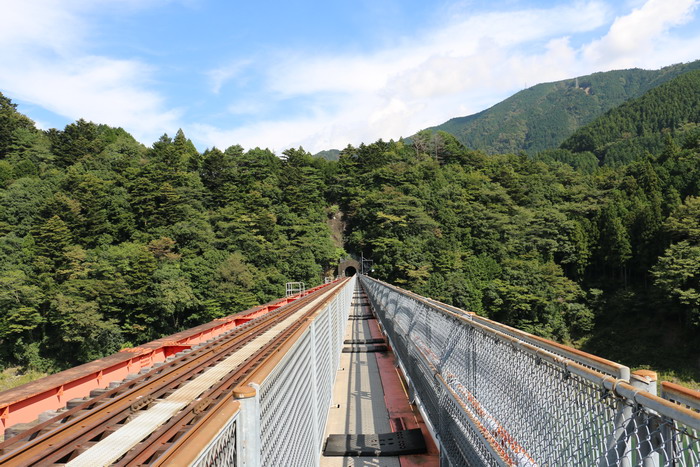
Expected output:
(355, 372)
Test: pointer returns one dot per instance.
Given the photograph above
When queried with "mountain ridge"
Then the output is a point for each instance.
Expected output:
(543, 116)
(642, 125)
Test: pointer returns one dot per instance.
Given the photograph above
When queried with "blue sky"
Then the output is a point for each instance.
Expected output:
(317, 74)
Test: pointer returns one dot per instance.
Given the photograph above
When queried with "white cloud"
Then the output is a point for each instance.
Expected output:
(469, 63)
(516, 27)
(98, 89)
(636, 38)
(219, 76)
(44, 51)
(465, 41)
(59, 26)
(274, 135)
(39, 25)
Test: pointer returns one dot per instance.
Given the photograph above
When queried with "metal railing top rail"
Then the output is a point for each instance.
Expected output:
(681, 395)
(592, 361)
(682, 413)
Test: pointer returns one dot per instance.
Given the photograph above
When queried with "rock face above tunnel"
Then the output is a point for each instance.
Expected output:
(348, 267)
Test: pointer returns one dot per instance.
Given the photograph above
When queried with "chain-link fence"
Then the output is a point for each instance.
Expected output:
(495, 396)
(602, 365)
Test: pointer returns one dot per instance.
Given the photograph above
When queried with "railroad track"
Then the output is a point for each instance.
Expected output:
(161, 405)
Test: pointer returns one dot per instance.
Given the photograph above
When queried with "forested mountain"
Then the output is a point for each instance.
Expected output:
(106, 243)
(542, 116)
(644, 125)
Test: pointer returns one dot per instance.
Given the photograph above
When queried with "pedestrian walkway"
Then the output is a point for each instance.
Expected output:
(369, 401)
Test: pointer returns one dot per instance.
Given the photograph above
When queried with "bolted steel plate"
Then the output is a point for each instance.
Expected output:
(376, 340)
(381, 444)
(365, 348)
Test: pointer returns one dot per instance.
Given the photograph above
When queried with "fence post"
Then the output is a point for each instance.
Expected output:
(249, 454)
(646, 381)
(628, 422)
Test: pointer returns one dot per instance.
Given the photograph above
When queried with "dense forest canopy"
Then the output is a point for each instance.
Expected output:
(105, 243)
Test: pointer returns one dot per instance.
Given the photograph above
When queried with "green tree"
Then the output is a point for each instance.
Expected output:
(235, 281)
(10, 122)
(78, 141)
(614, 247)
(20, 316)
(677, 274)
(684, 223)
(125, 274)
(537, 298)
(52, 240)
(82, 330)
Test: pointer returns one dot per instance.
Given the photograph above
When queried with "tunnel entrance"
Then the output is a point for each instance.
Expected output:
(348, 267)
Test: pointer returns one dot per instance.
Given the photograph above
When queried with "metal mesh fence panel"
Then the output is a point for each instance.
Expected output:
(295, 397)
(324, 370)
(287, 409)
(222, 449)
(495, 400)
(652, 439)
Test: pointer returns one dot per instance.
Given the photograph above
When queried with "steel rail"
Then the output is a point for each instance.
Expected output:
(188, 447)
(159, 440)
(263, 371)
(144, 452)
(284, 401)
(166, 375)
(25, 403)
(61, 442)
(160, 372)
(103, 410)
(170, 381)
